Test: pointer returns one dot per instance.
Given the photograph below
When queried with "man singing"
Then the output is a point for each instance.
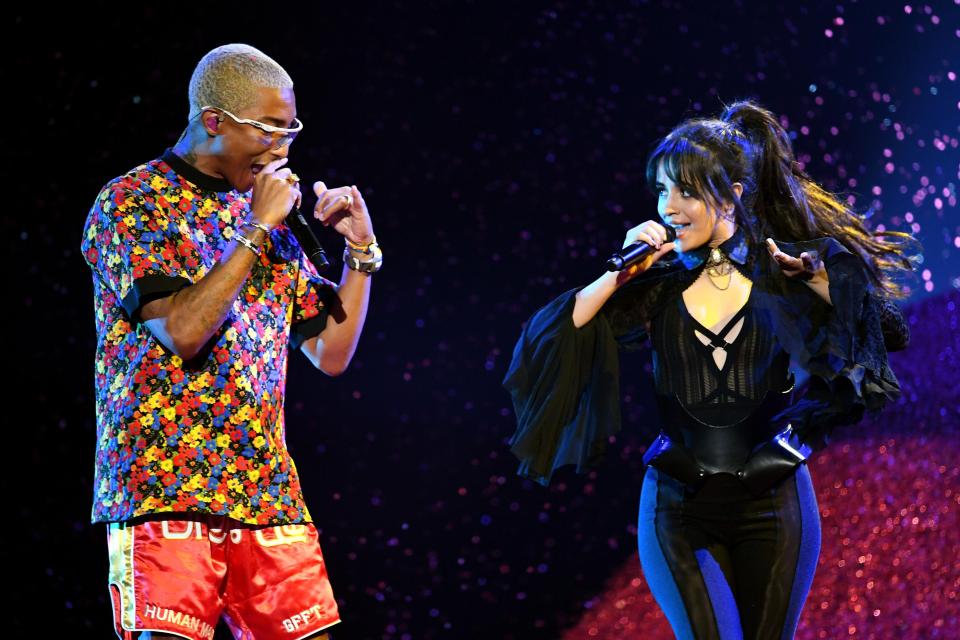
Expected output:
(199, 289)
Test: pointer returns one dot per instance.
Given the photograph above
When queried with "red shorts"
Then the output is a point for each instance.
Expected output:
(178, 573)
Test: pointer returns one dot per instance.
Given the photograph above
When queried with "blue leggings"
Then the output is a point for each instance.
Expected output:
(724, 565)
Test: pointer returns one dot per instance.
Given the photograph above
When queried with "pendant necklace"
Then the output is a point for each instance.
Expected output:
(718, 266)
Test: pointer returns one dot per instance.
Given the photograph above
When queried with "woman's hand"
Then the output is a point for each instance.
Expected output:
(808, 268)
(593, 296)
(654, 234)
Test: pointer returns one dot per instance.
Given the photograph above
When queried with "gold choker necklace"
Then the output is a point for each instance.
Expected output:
(718, 266)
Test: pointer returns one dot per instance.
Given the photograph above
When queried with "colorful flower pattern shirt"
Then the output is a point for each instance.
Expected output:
(205, 435)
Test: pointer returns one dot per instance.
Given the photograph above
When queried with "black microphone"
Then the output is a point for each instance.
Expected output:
(308, 241)
(636, 252)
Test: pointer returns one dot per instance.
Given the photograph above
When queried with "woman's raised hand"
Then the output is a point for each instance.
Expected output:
(654, 234)
(590, 298)
(808, 267)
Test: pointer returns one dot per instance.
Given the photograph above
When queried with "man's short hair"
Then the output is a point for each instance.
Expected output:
(228, 77)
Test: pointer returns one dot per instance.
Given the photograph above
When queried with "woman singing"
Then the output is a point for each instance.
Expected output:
(767, 268)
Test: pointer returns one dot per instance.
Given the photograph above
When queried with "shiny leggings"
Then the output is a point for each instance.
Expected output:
(724, 565)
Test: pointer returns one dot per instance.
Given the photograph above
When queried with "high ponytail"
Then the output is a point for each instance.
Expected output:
(791, 206)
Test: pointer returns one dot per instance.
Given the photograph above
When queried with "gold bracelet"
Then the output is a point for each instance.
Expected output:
(245, 241)
(363, 248)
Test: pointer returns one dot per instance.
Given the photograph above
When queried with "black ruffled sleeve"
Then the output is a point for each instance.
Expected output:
(565, 383)
(843, 346)
(896, 330)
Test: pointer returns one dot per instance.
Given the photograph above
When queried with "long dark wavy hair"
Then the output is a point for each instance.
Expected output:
(748, 145)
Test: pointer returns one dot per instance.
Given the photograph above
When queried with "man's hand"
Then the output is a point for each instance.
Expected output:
(274, 194)
(343, 208)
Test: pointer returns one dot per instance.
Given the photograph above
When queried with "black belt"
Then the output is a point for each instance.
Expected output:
(751, 449)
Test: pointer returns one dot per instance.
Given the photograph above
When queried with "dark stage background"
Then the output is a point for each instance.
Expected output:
(500, 149)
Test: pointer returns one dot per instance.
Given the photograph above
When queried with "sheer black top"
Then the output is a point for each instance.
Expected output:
(719, 377)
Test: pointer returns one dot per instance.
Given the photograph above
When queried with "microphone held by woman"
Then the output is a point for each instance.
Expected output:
(634, 253)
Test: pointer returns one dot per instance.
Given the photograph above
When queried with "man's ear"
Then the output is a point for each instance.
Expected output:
(211, 122)
(738, 188)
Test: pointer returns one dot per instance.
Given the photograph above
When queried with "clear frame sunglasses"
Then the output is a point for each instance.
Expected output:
(280, 136)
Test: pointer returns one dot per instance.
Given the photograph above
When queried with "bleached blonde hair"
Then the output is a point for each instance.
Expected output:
(228, 76)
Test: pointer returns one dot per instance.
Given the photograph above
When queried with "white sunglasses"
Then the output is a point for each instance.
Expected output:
(282, 136)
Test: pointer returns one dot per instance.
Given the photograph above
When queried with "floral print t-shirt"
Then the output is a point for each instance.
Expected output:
(205, 435)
